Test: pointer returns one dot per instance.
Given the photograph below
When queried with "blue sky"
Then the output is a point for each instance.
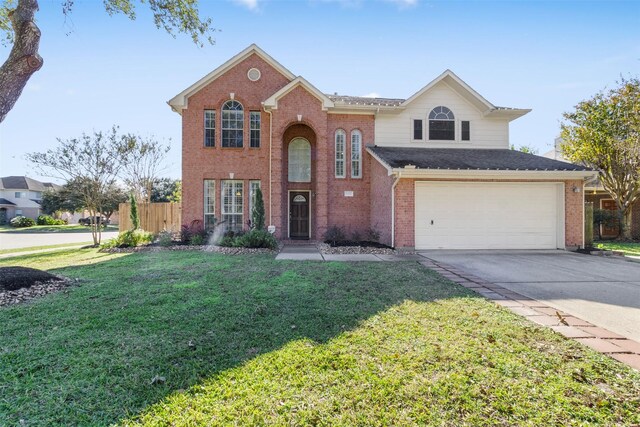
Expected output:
(101, 70)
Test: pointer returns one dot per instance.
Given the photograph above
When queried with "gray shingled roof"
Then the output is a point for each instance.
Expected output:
(4, 201)
(361, 100)
(469, 159)
(26, 183)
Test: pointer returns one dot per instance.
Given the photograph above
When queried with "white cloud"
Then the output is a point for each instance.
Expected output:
(372, 95)
(249, 4)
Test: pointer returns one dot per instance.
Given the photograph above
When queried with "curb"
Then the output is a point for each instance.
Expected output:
(599, 339)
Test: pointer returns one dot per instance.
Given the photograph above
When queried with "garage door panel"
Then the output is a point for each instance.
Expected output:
(486, 215)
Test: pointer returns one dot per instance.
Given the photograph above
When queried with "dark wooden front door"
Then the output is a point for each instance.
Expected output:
(612, 229)
(299, 215)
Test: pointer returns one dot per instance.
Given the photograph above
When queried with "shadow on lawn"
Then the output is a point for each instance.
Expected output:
(89, 356)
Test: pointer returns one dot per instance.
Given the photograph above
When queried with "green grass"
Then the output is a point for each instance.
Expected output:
(626, 248)
(37, 248)
(247, 340)
(71, 228)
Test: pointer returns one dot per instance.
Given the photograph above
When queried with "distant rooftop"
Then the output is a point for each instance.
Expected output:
(26, 183)
(363, 100)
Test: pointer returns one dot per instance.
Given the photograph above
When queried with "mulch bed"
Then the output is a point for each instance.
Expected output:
(206, 248)
(19, 284)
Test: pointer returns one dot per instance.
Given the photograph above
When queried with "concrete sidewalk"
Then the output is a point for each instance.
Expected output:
(310, 252)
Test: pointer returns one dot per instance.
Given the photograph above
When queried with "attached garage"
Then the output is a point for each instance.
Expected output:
(489, 215)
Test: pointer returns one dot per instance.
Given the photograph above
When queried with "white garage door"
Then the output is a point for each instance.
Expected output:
(457, 215)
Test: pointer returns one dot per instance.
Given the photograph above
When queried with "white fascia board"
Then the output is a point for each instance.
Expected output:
(179, 102)
(458, 85)
(272, 101)
(510, 114)
(490, 174)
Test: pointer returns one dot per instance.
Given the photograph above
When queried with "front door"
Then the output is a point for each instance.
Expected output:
(299, 215)
(612, 228)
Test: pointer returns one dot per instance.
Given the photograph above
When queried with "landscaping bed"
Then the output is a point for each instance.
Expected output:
(181, 247)
(20, 284)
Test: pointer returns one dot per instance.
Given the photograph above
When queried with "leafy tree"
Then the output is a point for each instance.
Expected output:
(133, 214)
(143, 164)
(257, 215)
(70, 199)
(166, 190)
(18, 23)
(92, 163)
(525, 149)
(113, 196)
(604, 134)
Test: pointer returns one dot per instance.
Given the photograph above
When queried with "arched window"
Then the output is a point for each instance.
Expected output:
(356, 154)
(442, 124)
(232, 124)
(299, 160)
(340, 149)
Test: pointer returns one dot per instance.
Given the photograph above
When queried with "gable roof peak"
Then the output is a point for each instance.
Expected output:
(180, 101)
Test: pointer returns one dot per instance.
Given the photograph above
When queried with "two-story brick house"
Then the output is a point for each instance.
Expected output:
(431, 171)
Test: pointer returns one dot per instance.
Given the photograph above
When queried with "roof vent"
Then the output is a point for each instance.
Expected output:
(254, 74)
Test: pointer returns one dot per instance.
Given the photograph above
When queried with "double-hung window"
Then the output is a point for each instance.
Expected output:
(340, 149)
(232, 124)
(209, 204)
(356, 154)
(417, 130)
(232, 198)
(209, 128)
(254, 126)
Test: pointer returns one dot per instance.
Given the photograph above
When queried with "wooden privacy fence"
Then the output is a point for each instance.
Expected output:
(154, 217)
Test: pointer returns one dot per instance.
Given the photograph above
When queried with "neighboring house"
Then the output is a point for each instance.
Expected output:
(596, 194)
(21, 195)
(432, 171)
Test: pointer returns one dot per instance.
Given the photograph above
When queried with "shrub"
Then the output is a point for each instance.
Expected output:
(256, 239)
(229, 238)
(356, 236)
(334, 234)
(49, 220)
(257, 216)
(129, 239)
(197, 240)
(135, 218)
(22, 221)
(371, 235)
(194, 229)
(165, 238)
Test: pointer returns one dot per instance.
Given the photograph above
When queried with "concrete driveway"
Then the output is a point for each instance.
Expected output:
(10, 240)
(603, 291)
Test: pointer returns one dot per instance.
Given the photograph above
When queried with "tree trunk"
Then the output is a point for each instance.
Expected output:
(625, 225)
(24, 59)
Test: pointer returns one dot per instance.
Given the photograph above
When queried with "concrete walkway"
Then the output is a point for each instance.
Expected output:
(310, 252)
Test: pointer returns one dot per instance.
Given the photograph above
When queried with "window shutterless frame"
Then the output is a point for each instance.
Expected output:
(209, 128)
(209, 203)
(340, 143)
(356, 154)
(232, 125)
(254, 129)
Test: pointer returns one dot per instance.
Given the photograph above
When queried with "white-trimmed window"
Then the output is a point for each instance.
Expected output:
(18, 212)
(209, 203)
(253, 187)
(232, 198)
(299, 153)
(232, 124)
(209, 128)
(417, 129)
(356, 154)
(340, 149)
(20, 194)
(442, 124)
(465, 130)
(254, 129)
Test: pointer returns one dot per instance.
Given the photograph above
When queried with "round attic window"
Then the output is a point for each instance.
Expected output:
(254, 74)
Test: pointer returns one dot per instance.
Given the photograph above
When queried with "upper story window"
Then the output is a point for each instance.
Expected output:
(21, 195)
(340, 149)
(232, 124)
(356, 154)
(299, 160)
(442, 124)
(209, 128)
(254, 127)
(417, 129)
(465, 130)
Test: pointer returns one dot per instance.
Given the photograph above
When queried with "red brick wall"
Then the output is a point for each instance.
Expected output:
(574, 214)
(381, 184)
(199, 162)
(350, 213)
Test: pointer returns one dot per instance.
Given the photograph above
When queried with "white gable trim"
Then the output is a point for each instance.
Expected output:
(180, 101)
(272, 101)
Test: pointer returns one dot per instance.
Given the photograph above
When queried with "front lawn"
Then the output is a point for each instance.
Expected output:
(70, 228)
(626, 248)
(196, 338)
